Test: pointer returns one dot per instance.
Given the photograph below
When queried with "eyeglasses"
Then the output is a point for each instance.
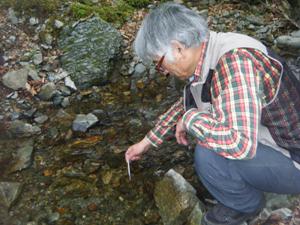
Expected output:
(159, 68)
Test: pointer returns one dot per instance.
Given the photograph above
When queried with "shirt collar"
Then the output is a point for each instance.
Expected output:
(199, 66)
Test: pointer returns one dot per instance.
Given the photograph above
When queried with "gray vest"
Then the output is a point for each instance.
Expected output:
(218, 45)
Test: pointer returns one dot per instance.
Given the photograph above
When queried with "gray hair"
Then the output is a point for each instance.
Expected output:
(169, 22)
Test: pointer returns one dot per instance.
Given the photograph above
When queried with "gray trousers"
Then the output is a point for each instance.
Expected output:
(239, 184)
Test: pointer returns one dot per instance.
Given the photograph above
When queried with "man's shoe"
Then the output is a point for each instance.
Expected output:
(222, 215)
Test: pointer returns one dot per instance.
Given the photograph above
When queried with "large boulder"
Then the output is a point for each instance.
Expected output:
(90, 49)
(177, 200)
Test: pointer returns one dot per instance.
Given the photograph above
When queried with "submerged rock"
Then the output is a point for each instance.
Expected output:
(9, 193)
(47, 91)
(90, 48)
(83, 122)
(19, 129)
(177, 200)
(23, 158)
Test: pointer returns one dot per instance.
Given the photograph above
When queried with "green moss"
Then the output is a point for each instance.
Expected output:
(116, 14)
(138, 3)
(80, 10)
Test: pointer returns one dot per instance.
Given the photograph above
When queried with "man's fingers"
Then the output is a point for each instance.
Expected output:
(181, 138)
(184, 140)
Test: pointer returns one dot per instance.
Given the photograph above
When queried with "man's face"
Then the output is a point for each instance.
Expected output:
(183, 65)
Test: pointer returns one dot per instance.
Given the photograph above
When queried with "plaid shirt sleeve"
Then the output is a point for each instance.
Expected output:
(231, 129)
(166, 124)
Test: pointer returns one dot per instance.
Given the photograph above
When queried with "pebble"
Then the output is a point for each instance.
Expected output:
(13, 95)
(12, 39)
(14, 116)
(33, 21)
(29, 113)
(47, 91)
(41, 119)
(58, 24)
(295, 33)
(65, 102)
(37, 58)
(69, 83)
(12, 16)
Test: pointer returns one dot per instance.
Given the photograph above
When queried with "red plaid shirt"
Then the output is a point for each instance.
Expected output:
(244, 80)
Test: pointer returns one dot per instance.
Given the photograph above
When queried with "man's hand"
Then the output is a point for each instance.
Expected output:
(181, 133)
(134, 152)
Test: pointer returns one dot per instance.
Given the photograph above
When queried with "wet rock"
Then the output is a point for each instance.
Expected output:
(177, 200)
(54, 77)
(32, 73)
(283, 213)
(13, 95)
(47, 91)
(23, 158)
(12, 39)
(19, 128)
(65, 102)
(139, 70)
(14, 115)
(107, 176)
(29, 113)
(64, 90)
(58, 24)
(15, 79)
(48, 39)
(52, 133)
(83, 122)
(90, 49)
(57, 100)
(275, 201)
(41, 119)
(12, 16)
(62, 114)
(90, 166)
(69, 83)
(100, 113)
(23, 104)
(288, 41)
(53, 217)
(37, 58)
(255, 20)
(33, 21)
(295, 33)
(261, 218)
(9, 193)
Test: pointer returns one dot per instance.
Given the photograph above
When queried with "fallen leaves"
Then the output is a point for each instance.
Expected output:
(86, 142)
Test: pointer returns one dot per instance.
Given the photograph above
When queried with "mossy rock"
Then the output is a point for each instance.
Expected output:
(91, 48)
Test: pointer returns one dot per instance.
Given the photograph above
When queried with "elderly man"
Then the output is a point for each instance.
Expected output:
(241, 103)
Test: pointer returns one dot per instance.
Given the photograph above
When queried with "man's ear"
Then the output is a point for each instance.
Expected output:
(178, 49)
